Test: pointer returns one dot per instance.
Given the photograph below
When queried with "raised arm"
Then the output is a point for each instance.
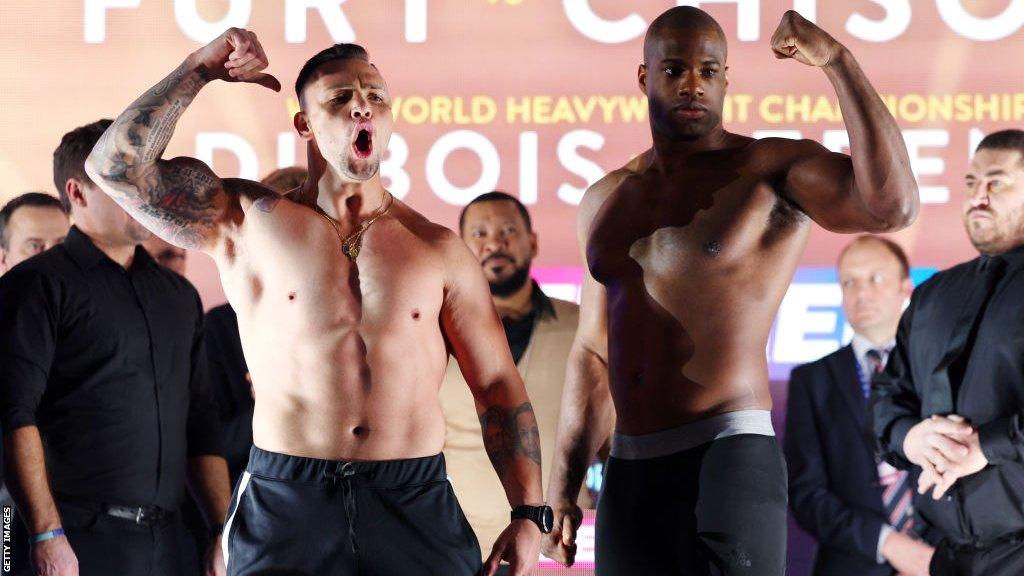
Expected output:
(587, 414)
(507, 422)
(181, 200)
(871, 190)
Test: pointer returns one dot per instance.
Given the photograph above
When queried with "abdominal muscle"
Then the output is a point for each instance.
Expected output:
(346, 396)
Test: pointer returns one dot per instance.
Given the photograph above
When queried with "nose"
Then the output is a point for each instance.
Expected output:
(361, 109)
(978, 196)
(690, 85)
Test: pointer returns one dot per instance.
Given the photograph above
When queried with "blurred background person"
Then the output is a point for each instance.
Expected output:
(858, 508)
(950, 403)
(102, 398)
(30, 224)
(540, 330)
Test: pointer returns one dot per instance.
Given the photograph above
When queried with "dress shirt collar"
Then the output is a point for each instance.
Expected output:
(85, 253)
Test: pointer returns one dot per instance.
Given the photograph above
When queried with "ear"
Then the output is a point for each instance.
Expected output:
(3, 261)
(906, 287)
(726, 74)
(76, 194)
(534, 245)
(301, 123)
(641, 77)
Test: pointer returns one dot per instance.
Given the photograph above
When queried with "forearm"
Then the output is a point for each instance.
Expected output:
(138, 137)
(210, 485)
(512, 442)
(25, 474)
(584, 423)
(882, 176)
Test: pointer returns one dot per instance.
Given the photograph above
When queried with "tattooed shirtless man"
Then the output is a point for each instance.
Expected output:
(690, 248)
(348, 303)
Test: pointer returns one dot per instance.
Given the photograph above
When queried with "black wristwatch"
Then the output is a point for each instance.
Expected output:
(542, 516)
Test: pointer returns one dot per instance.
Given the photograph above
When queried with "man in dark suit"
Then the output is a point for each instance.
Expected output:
(859, 510)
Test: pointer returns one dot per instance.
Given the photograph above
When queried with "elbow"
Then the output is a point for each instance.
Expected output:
(898, 214)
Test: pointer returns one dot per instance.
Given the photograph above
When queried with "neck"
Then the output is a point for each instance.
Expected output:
(516, 305)
(342, 198)
(878, 336)
(668, 152)
(123, 254)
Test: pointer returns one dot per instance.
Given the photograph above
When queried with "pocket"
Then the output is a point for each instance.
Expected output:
(77, 517)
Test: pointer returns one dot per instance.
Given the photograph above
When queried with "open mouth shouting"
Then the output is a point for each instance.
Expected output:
(362, 144)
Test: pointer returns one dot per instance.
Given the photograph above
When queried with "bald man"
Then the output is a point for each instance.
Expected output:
(690, 248)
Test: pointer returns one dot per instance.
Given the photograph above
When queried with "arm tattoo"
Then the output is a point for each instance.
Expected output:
(510, 433)
(178, 199)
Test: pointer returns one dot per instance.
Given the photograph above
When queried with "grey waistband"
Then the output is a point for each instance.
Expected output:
(692, 434)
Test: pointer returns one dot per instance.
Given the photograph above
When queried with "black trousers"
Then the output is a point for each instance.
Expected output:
(716, 509)
(309, 517)
(105, 545)
(1003, 558)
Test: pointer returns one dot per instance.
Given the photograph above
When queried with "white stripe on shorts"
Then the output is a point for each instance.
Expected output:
(227, 525)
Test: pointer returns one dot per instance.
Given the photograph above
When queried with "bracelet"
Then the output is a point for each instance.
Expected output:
(47, 535)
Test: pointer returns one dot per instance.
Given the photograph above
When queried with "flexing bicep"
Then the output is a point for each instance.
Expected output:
(826, 186)
(181, 200)
(821, 183)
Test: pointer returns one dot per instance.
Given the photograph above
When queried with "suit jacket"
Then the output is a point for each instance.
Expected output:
(834, 491)
(473, 478)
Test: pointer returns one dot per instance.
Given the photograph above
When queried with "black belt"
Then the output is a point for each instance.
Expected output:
(141, 515)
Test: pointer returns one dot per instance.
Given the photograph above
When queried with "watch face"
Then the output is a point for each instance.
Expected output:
(547, 519)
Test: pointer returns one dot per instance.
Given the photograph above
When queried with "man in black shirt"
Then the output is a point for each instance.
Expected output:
(100, 362)
(951, 398)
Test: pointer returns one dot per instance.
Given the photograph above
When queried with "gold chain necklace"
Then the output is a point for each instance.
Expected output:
(351, 244)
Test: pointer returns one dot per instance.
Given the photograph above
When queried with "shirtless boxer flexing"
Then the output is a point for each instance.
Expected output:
(347, 302)
(690, 248)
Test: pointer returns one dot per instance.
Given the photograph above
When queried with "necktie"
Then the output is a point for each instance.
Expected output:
(897, 497)
(876, 365)
(896, 494)
(950, 373)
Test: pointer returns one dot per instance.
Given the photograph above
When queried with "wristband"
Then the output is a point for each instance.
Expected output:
(47, 535)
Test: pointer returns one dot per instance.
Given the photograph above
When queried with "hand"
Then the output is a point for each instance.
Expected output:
(907, 555)
(973, 462)
(236, 56)
(54, 557)
(519, 545)
(560, 544)
(214, 562)
(800, 39)
(937, 444)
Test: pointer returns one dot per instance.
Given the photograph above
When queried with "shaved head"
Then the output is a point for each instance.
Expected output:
(681, 21)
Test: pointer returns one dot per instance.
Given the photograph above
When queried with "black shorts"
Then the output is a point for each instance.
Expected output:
(718, 509)
(303, 516)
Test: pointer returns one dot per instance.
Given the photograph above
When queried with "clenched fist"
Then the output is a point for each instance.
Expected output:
(802, 40)
(236, 56)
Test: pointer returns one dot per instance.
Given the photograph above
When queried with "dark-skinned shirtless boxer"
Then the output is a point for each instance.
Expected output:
(690, 248)
(348, 302)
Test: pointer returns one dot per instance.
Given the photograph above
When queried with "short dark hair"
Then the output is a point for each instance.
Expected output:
(497, 196)
(69, 157)
(33, 199)
(336, 52)
(1011, 139)
(892, 247)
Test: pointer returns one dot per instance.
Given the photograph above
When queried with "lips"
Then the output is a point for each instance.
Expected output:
(362, 143)
(690, 111)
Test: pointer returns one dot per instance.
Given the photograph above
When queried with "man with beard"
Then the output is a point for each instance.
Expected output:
(690, 248)
(539, 330)
(951, 399)
(348, 303)
(102, 393)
